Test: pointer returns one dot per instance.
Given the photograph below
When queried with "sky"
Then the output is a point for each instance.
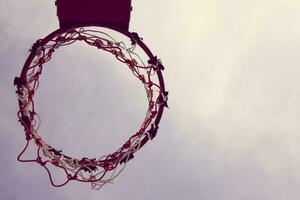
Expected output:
(232, 129)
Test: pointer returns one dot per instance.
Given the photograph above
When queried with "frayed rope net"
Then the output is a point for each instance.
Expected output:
(102, 170)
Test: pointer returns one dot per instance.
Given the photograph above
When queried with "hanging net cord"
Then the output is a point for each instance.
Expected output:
(106, 168)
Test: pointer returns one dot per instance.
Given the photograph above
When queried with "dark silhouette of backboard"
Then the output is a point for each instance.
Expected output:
(105, 13)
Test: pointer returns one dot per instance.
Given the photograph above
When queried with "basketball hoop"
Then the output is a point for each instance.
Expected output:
(102, 170)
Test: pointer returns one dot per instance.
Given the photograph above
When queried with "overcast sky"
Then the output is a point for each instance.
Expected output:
(232, 130)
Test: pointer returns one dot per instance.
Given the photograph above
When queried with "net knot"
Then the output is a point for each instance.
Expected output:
(40, 161)
(70, 177)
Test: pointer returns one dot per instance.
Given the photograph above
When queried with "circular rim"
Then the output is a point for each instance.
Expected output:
(152, 59)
